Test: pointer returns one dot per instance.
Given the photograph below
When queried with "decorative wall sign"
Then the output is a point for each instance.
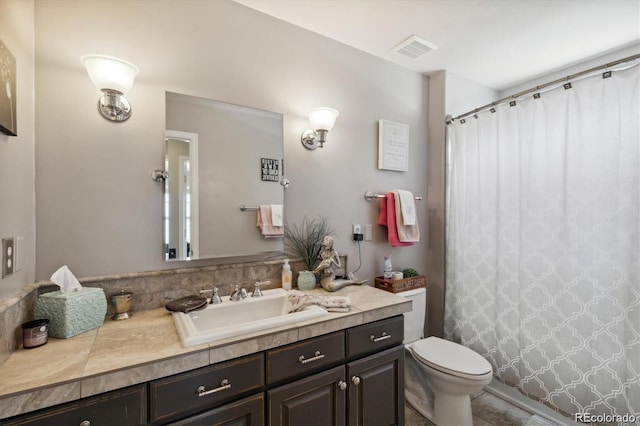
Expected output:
(270, 169)
(393, 146)
(8, 121)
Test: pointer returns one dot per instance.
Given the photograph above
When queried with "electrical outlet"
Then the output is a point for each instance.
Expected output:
(8, 256)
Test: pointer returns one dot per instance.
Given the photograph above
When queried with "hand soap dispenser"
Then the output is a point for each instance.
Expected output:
(286, 275)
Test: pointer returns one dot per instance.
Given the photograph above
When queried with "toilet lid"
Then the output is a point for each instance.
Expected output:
(450, 356)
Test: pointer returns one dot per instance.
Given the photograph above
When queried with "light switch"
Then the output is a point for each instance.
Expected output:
(368, 232)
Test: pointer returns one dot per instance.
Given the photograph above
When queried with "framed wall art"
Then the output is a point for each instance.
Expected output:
(269, 169)
(393, 146)
(8, 121)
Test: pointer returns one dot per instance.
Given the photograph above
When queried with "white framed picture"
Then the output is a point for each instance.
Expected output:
(393, 146)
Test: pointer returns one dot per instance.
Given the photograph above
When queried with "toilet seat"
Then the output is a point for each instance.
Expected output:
(451, 358)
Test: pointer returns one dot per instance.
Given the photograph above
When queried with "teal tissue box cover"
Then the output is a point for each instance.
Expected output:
(72, 313)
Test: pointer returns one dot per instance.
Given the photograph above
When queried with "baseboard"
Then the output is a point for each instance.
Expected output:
(514, 397)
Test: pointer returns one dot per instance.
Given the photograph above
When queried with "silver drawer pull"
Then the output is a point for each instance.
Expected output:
(383, 337)
(342, 385)
(85, 423)
(316, 357)
(355, 380)
(224, 384)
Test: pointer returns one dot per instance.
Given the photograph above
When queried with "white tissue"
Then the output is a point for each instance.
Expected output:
(65, 279)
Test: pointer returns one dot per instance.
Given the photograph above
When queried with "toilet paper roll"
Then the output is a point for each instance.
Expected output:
(397, 276)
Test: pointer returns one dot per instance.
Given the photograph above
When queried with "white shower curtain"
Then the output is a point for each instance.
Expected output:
(543, 244)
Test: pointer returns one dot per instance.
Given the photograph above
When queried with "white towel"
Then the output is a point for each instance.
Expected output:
(407, 205)
(277, 215)
(406, 233)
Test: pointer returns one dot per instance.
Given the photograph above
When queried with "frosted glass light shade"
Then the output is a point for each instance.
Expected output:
(323, 118)
(108, 72)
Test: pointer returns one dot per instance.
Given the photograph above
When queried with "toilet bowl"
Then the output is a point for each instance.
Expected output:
(451, 372)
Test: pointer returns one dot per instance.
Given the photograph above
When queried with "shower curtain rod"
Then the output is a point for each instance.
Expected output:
(545, 85)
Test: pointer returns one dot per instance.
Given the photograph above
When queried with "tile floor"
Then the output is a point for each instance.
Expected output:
(488, 410)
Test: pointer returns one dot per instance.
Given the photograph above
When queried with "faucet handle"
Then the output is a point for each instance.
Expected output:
(215, 298)
(256, 288)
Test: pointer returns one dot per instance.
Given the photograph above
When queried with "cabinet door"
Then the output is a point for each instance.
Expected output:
(246, 412)
(376, 389)
(316, 400)
(120, 407)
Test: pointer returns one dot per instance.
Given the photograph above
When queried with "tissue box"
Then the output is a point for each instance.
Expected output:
(72, 313)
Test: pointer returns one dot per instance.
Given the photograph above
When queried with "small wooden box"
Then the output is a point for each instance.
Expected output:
(397, 286)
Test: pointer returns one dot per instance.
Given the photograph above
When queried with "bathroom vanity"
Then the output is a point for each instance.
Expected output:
(344, 368)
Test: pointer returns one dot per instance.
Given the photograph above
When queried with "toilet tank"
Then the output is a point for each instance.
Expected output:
(414, 320)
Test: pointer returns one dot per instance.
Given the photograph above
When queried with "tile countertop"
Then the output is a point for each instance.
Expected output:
(147, 347)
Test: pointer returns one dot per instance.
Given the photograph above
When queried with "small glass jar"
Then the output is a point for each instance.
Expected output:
(35, 333)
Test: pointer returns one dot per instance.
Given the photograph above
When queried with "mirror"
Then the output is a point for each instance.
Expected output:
(219, 157)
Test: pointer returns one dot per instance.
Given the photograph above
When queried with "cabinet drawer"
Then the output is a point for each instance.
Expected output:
(375, 336)
(304, 357)
(206, 387)
(121, 407)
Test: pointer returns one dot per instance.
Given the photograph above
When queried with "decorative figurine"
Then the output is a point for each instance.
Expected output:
(329, 262)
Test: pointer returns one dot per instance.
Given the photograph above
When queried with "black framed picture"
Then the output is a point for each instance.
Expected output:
(8, 121)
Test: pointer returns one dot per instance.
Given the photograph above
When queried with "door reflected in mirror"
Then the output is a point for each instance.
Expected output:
(215, 154)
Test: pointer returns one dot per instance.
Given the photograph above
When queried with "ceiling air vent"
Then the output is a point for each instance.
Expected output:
(414, 47)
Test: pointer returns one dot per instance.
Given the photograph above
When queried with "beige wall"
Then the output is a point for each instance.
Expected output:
(17, 211)
(98, 209)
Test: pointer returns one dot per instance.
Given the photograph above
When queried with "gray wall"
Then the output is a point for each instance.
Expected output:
(17, 210)
(98, 210)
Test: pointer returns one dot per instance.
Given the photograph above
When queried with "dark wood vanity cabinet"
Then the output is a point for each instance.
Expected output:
(349, 377)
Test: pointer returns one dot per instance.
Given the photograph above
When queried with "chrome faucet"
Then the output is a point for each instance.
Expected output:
(256, 288)
(238, 293)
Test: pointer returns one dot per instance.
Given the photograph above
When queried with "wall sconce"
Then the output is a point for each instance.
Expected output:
(113, 77)
(322, 120)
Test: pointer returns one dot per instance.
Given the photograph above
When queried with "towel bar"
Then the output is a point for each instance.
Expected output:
(248, 208)
(370, 196)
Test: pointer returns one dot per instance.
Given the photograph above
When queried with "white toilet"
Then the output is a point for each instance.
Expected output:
(439, 370)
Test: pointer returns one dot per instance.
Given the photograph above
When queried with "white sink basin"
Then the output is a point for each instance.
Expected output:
(229, 318)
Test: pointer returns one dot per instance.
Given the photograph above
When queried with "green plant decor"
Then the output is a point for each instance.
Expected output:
(305, 241)
(410, 272)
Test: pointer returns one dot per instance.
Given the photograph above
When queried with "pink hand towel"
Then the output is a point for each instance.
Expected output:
(387, 217)
(265, 223)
